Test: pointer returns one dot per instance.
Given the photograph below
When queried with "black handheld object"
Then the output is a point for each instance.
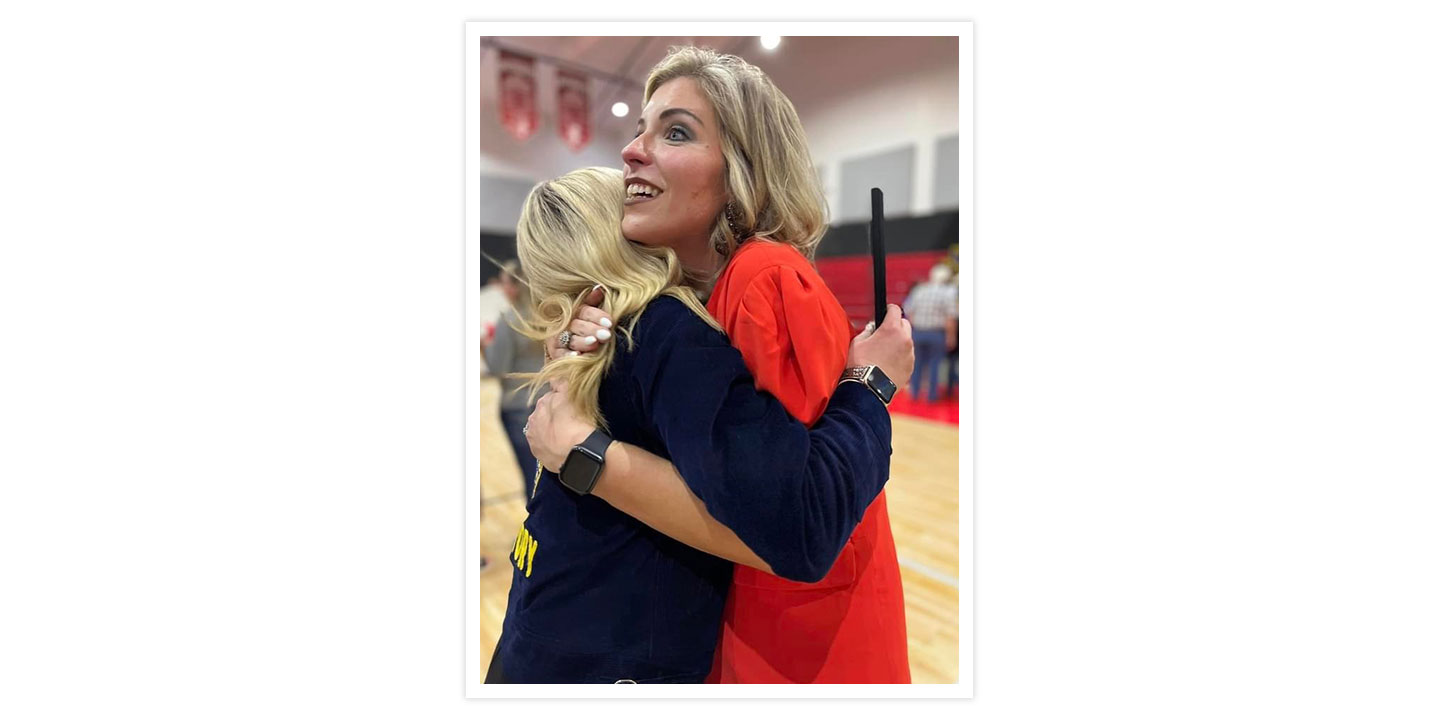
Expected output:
(877, 250)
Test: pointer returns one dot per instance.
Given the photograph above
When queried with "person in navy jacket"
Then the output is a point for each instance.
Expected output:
(599, 596)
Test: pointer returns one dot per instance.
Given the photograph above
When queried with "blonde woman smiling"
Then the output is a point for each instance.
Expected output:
(598, 596)
(720, 173)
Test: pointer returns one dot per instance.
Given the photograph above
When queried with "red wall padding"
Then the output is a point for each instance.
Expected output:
(849, 278)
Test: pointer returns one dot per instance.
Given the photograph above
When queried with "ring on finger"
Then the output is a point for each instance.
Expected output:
(564, 339)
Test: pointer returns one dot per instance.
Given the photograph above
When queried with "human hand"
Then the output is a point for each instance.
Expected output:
(588, 329)
(888, 346)
(554, 428)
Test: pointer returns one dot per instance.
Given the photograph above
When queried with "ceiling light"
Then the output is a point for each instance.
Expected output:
(620, 109)
(770, 42)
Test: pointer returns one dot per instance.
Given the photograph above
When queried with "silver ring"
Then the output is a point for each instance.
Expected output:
(564, 339)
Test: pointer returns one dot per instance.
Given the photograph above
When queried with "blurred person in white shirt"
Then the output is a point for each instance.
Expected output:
(932, 308)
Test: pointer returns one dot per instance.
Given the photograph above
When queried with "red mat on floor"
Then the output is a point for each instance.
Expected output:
(947, 410)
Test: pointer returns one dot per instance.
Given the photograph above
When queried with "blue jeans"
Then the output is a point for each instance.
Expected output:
(929, 351)
(954, 381)
(514, 422)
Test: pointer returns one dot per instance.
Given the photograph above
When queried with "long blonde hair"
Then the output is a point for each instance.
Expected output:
(569, 241)
(774, 189)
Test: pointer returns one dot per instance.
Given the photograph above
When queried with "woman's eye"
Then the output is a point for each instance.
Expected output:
(677, 133)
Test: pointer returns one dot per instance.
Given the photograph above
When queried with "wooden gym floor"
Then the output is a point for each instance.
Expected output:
(923, 493)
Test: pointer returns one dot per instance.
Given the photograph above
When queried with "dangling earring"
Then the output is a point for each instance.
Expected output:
(730, 219)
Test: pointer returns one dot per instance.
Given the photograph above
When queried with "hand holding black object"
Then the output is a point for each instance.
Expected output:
(888, 346)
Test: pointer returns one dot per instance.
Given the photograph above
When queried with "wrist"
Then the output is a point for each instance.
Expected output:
(617, 459)
(585, 463)
(873, 378)
(565, 443)
(556, 451)
(577, 436)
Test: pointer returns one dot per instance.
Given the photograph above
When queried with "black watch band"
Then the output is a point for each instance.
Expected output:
(583, 466)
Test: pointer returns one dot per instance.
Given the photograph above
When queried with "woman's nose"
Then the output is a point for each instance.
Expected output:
(636, 153)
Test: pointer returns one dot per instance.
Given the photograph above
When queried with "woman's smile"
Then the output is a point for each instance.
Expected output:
(640, 191)
(676, 151)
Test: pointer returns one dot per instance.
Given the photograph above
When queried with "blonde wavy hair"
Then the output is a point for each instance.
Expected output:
(569, 241)
(774, 189)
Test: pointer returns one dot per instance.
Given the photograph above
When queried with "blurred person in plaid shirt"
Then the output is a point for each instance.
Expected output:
(931, 308)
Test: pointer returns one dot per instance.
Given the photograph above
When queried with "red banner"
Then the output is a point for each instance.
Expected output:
(573, 108)
(518, 112)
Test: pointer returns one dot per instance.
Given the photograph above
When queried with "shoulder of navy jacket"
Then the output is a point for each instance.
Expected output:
(678, 327)
(661, 317)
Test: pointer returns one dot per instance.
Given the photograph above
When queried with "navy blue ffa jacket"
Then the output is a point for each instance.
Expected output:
(598, 596)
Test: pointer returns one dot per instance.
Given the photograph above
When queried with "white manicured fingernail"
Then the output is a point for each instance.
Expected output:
(604, 322)
(587, 341)
(573, 353)
(603, 334)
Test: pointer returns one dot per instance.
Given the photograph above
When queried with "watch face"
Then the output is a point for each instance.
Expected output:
(581, 470)
(882, 384)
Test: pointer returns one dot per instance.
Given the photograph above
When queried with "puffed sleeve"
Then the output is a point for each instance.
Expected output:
(792, 495)
(786, 330)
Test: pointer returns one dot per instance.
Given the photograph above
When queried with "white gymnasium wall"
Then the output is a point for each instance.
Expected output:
(895, 101)
(837, 91)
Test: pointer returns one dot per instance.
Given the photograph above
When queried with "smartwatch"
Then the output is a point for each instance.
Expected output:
(872, 377)
(586, 460)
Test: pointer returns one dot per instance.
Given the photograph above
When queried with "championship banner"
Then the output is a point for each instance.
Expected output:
(573, 105)
(518, 112)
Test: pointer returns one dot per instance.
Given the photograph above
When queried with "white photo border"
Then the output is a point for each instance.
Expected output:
(964, 31)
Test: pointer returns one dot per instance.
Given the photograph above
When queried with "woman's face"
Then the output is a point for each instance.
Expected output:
(675, 172)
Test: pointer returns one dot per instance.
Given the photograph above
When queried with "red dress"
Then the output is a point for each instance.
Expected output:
(850, 626)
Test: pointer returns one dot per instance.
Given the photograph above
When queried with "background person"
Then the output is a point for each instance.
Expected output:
(932, 308)
(507, 352)
(952, 347)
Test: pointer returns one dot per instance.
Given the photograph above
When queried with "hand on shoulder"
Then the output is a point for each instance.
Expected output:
(588, 330)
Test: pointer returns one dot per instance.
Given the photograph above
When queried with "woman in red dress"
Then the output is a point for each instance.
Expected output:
(719, 171)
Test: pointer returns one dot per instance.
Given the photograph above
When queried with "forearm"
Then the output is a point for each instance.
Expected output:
(794, 496)
(647, 488)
